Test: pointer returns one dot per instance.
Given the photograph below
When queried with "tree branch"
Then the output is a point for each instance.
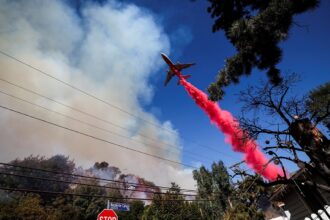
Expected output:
(284, 147)
(293, 182)
(274, 106)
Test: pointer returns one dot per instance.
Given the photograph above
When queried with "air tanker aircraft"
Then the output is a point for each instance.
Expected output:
(174, 69)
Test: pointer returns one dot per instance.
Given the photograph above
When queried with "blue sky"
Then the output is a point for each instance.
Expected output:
(305, 52)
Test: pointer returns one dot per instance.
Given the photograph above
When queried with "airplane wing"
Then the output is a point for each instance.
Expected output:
(168, 77)
(183, 65)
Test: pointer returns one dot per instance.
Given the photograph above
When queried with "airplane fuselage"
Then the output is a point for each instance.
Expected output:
(174, 69)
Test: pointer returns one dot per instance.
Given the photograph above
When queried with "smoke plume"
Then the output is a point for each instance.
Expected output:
(110, 50)
(235, 136)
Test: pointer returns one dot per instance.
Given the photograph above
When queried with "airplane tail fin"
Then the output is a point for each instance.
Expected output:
(185, 77)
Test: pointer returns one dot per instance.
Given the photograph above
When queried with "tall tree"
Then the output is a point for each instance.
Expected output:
(135, 213)
(318, 104)
(22, 177)
(214, 185)
(290, 128)
(227, 199)
(171, 206)
(30, 208)
(89, 207)
(255, 28)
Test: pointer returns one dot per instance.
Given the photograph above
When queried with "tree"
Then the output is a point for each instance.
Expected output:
(30, 208)
(63, 208)
(214, 185)
(57, 163)
(7, 205)
(135, 213)
(89, 207)
(291, 128)
(103, 170)
(171, 206)
(255, 28)
(318, 104)
(245, 200)
(226, 199)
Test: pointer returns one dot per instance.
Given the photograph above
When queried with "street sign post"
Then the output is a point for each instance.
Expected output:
(107, 214)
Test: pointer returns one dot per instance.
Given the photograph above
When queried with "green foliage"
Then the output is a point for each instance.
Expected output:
(213, 185)
(241, 211)
(63, 208)
(318, 104)
(245, 199)
(57, 162)
(30, 208)
(89, 207)
(18, 205)
(7, 208)
(226, 199)
(255, 28)
(135, 213)
(171, 206)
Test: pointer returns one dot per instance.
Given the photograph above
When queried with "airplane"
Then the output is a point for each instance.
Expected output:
(174, 69)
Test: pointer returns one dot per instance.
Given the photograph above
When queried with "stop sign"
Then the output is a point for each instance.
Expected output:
(107, 214)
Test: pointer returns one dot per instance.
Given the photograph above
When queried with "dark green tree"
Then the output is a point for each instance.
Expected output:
(7, 205)
(58, 163)
(89, 207)
(245, 200)
(214, 185)
(255, 28)
(171, 206)
(30, 208)
(318, 104)
(63, 208)
(226, 199)
(135, 213)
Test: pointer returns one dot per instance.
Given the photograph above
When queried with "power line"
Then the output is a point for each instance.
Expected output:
(96, 196)
(95, 97)
(96, 138)
(86, 184)
(82, 91)
(78, 110)
(88, 177)
(97, 127)
(90, 115)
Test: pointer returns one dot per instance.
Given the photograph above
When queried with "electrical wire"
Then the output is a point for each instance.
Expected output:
(89, 177)
(96, 138)
(96, 196)
(86, 184)
(98, 118)
(78, 110)
(192, 156)
(95, 97)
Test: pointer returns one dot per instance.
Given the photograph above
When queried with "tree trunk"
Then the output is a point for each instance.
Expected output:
(315, 145)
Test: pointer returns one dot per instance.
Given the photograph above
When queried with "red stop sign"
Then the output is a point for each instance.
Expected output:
(107, 214)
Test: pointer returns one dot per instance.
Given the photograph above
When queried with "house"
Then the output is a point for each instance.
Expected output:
(302, 201)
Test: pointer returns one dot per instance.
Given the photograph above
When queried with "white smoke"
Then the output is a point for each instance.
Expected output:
(109, 51)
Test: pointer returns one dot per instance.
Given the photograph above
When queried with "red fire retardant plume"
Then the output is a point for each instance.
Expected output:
(235, 136)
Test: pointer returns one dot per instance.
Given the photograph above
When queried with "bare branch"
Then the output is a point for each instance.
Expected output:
(279, 106)
(293, 182)
(284, 147)
(276, 107)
